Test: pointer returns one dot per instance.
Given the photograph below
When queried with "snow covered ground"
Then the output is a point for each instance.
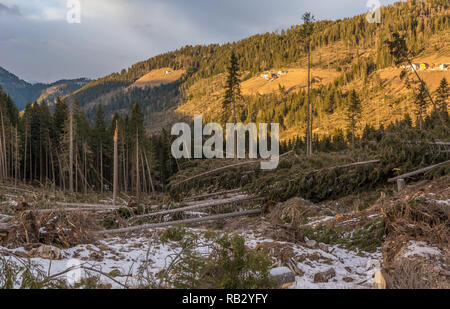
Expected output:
(122, 257)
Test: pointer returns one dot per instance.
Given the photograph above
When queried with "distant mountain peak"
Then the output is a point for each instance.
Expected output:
(23, 92)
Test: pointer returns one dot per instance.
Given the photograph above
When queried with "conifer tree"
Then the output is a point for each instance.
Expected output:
(421, 104)
(307, 31)
(401, 54)
(232, 86)
(442, 95)
(353, 113)
(233, 91)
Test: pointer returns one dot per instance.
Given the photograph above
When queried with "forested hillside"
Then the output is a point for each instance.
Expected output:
(23, 92)
(352, 47)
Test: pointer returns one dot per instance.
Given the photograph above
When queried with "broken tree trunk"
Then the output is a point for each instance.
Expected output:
(71, 147)
(5, 218)
(349, 165)
(149, 173)
(179, 222)
(80, 209)
(81, 205)
(224, 168)
(401, 184)
(5, 228)
(16, 163)
(200, 206)
(116, 166)
(420, 171)
(198, 197)
(138, 179)
(101, 168)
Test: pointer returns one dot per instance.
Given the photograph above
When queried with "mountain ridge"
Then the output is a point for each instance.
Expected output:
(23, 92)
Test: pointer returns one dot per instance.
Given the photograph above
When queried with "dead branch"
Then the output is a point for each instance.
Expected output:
(180, 222)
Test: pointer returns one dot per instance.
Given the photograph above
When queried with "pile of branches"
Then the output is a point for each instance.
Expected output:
(420, 220)
(55, 228)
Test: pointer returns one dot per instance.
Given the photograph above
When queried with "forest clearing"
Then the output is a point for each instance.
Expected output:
(122, 181)
(47, 239)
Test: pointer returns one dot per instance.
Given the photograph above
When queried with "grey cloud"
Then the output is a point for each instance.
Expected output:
(114, 34)
(14, 10)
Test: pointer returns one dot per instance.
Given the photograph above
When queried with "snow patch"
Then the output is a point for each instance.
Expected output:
(421, 248)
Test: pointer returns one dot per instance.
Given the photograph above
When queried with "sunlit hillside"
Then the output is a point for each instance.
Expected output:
(384, 95)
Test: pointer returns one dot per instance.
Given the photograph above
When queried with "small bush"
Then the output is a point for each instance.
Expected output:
(230, 265)
(368, 237)
(173, 234)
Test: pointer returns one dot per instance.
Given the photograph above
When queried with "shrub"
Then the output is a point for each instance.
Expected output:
(230, 265)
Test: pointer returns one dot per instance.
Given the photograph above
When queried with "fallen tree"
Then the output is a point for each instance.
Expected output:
(5, 228)
(50, 210)
(5, 218)
(179, 222)
(224, 168)
(198, 197)
(418, 172)
(82, 205)
(234, 200)
(347, 165)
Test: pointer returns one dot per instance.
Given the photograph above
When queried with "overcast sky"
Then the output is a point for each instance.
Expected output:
(38, 44)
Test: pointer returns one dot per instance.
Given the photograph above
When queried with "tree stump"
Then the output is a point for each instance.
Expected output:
(401, 184)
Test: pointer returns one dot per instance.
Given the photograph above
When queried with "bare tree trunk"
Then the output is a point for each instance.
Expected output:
(125, 166)
(116, 167)
(76, 170)
(17, 159)
(31, 159)
(85, 168)
(51, 161)
(41, 166)
(309, 116)
(138, 181)
(5, 165)
(144, 180)
(149, 172)
(25, 154)
(101, 167)
(2, 168)
(62, 178)
(71, 147)
(235, 133)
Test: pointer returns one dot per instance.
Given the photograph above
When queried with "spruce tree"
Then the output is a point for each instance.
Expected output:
(353, 113)
(399, 50)
(307, 31)
(421, 104)
(442, 95)
(232, 86)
